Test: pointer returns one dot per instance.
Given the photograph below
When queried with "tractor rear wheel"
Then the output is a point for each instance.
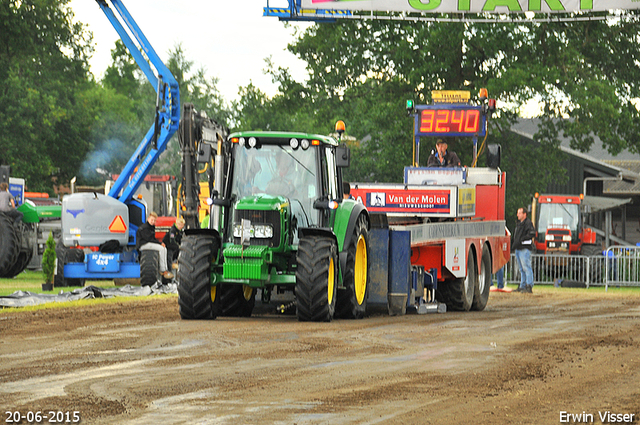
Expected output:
(457, 294)
(25, 234)
(9, 244)
(20, 264)
(316, 284)
(352, 300)
(236, 300)
(483, 286)
(149, 269)
(196, 297)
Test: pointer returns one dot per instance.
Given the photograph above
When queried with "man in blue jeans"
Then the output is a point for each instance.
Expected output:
(522, 244)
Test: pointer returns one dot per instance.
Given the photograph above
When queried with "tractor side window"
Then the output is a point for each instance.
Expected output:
(332, 177)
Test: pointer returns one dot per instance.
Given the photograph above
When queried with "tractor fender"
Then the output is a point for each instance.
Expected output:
(209, 232)
(346, 218)
(317, 231)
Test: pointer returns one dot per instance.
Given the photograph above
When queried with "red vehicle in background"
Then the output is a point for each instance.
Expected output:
(560, 228)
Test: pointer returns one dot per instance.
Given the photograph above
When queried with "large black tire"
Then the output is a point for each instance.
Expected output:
(149, 269)
(196, 297)
(596, 272)
(236, 300)
(457, 294)
(316, 279)
(20, 264)
(9, 244)
(483, 287)
(352, 300)
(67, 255)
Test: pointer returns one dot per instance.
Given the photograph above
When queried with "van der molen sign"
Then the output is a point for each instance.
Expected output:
(474, 6)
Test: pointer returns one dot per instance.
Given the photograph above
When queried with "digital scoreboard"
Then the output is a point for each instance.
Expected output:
(450, 120)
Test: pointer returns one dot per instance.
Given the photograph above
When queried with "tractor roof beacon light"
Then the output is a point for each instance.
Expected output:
(492, 106)
(340, 128)
(410, 108)
(483, 95)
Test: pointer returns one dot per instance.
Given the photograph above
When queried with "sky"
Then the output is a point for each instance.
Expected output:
(229, 39)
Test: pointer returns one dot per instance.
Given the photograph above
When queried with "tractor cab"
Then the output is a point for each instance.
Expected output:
(280, 174)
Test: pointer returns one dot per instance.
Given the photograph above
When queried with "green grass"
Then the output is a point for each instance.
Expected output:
(32, 281)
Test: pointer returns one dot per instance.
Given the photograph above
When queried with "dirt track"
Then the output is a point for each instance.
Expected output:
(524, 360)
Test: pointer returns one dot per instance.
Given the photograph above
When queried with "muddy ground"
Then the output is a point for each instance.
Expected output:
(526, 359)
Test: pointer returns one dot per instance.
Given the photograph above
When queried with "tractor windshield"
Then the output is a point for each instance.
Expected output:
(278, 170)
(559, 215)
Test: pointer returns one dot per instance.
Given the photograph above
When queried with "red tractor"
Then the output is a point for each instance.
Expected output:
(559, 226)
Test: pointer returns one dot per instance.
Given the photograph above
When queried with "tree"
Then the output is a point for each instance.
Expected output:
(43, 80)
(583, 74)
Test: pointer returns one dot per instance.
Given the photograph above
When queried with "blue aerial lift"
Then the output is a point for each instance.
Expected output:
(110, 222)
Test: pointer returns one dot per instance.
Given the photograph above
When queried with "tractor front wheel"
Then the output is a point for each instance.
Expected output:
(236, 300)
(316, 284)
(196, 297)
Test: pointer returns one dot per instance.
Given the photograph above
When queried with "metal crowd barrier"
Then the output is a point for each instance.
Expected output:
(618, 266)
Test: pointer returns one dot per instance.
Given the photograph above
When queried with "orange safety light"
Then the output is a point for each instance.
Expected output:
(234, 140)
(483, 94)
(536, 195)
(340, 127)
(581, 196)
(315, 142)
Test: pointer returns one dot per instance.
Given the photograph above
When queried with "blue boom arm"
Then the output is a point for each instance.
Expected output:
(167, 103)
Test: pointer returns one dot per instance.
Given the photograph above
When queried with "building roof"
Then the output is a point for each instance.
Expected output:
(598, 161)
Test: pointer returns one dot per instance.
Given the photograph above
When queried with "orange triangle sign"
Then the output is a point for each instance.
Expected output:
(117, 225)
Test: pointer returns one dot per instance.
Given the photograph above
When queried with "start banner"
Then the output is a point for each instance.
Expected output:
(474, 6)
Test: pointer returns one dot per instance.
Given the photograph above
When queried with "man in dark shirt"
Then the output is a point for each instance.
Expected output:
(146, 240)
(522, 244)
(443, 158)
(172, 241)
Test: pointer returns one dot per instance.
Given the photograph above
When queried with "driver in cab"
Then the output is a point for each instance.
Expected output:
(282, 183)
(442, 157)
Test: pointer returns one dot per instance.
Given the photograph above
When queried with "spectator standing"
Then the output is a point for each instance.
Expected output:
(346, 190)
(8, 204)
(522, 245)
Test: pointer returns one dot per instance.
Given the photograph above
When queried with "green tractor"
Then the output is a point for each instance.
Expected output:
(18, 238)
(278, 222)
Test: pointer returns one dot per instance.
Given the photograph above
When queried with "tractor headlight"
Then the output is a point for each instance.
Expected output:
(263, 231)
(294, 143)
(566, 238)
(548, 237)
(253, 142)
(304, 144)
(241, 141)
